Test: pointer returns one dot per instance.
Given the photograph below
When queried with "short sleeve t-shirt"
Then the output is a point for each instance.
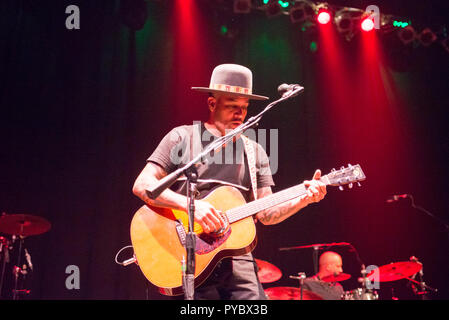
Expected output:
(328, 291)
(228, 165)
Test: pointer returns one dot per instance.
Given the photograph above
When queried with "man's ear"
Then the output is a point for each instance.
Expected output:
(211, 102)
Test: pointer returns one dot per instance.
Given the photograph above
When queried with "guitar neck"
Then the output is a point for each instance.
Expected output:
(272, 200)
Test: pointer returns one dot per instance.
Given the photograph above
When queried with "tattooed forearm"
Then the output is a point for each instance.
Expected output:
(280, 212)
(315, 192)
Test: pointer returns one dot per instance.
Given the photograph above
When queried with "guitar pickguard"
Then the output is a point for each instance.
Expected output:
(204, 243)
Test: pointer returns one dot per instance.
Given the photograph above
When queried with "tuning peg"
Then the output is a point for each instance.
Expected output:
(350, 186)
(341, 188)
(342, 167)
(359, 184)
(333, 170)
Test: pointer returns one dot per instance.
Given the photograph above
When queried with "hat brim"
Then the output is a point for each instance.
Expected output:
(235, 94)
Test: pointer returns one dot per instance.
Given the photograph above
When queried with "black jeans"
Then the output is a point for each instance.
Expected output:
(232, 279)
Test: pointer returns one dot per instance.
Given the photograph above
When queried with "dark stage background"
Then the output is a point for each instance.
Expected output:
(81, 110)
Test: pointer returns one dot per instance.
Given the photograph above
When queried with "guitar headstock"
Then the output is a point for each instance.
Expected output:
(349, 175)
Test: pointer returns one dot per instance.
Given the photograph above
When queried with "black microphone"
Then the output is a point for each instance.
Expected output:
(396, 197)
(284, 88)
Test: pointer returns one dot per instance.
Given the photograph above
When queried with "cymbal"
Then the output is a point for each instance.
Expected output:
(267, 271)
(338, 278)
(290, 293)
(23, 224)
(395, 271)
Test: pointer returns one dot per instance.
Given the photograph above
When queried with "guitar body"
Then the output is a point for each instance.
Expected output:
(156, 236)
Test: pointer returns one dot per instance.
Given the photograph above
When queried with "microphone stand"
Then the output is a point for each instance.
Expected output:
(189, 270)
(428, 213)
(316, 248)
(189, 170)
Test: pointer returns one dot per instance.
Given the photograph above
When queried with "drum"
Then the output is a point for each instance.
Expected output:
(360, 294)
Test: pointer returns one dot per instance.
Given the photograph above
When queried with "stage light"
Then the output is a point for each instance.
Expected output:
(367, 24)
(284, 4)
(302, 11)
(224, 30)
(344, 20)
(324, 16)
(400, 24)
(273, 9)
(427, 37)
(407, 34)
(242, 6)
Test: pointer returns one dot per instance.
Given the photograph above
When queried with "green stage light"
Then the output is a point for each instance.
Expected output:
(400, 24)
(283, 4)
(223, 30)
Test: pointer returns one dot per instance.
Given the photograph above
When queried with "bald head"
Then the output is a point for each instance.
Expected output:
(330, 264)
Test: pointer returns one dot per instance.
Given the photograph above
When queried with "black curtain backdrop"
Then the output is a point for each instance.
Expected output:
(81, 110)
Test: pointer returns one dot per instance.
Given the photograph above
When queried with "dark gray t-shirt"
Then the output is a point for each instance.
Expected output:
(327, 290)
(229, 165)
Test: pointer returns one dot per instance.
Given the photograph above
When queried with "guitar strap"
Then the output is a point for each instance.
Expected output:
(250, 154)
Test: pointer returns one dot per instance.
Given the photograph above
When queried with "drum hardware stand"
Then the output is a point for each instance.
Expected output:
(301, 276)
(315, 259)
(366, 283)
(4, 248)
(393, 295)
(420, 288)
(20, 226)
(17, 270)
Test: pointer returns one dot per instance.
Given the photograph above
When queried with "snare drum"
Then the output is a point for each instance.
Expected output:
(360, 294)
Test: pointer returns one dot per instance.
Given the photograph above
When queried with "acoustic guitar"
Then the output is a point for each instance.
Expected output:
(158, 235)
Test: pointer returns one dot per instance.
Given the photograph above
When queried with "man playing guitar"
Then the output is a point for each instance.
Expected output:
(229, 93)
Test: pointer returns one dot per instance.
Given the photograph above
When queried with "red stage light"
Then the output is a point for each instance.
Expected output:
(323, 17)
(367, 24)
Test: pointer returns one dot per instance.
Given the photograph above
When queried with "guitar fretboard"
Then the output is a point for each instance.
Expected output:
(272, 200)
(249, 209)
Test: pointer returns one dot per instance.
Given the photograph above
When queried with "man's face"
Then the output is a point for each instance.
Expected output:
(228, 112)
(336, 267)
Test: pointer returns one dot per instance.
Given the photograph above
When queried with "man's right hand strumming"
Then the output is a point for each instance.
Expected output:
(208, 217)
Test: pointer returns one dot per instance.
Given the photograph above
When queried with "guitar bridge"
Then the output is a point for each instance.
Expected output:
(204, 243)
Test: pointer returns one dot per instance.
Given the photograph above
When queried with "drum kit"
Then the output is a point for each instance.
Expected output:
(268, 272)
(18, 227)
(410, 270)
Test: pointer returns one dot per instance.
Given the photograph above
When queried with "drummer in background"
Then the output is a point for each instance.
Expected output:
(330, 266)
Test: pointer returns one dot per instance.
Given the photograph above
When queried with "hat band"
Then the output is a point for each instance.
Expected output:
(228, 88)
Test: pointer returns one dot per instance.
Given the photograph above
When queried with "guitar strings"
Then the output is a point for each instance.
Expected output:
(251, 208)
